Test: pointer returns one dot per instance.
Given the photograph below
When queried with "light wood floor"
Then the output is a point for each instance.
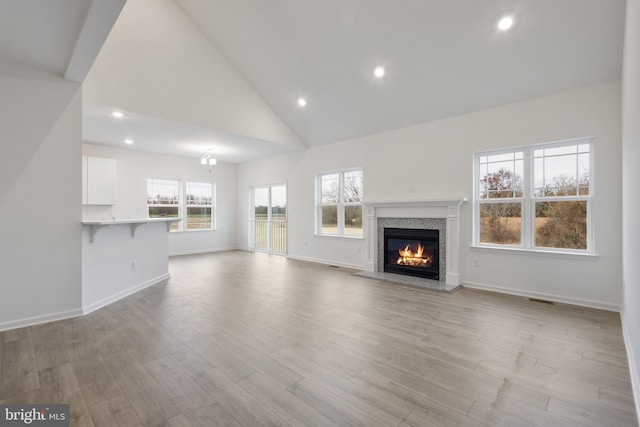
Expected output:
(242, 339)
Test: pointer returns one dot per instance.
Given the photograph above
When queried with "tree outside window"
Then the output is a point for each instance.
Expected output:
(166, 200)
(163, 200)
(340, 203)
(199, 204)
(545, 205)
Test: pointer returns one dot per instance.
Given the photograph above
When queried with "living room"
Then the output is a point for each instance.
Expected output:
(421, 160)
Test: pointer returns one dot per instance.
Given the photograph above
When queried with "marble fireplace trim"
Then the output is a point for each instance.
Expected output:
(412, 214)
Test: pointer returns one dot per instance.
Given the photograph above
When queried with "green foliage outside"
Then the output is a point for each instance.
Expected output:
(558, 224)
(565, 225)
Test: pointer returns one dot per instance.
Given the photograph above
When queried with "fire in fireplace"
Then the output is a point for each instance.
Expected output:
(414, 252)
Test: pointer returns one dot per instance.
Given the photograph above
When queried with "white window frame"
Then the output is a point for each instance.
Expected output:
(529, 199)
(211, 206)
(341, 204)
(182, 204)
(179, 205)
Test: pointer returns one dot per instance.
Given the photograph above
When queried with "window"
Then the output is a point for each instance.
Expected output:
(198, 197)
(340, 203)
(165, 200)
(535, 197)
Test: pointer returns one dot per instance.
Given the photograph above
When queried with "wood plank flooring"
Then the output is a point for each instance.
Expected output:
(241, 339)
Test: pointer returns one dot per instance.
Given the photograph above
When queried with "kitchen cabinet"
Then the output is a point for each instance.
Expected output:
(98, 181)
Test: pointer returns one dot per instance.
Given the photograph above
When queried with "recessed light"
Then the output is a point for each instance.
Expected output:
(378, 72)
(118, 114)
(505, 23)
(302, 102)
(128, 141)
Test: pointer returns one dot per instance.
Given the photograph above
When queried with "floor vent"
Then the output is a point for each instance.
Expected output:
(542, 301)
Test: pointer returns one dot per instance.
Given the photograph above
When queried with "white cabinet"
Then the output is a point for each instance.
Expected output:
(98, 181)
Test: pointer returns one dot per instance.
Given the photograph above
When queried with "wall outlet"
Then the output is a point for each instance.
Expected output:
(133, 265)
(476, 263)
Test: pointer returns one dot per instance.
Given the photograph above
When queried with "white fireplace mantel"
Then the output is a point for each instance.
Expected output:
(448, 209)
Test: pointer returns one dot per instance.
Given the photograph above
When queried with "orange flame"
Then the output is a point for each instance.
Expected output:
(408, 257)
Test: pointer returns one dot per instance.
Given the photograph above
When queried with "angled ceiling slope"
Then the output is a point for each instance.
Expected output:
(62, 37)
(442, 58)
(159, 68)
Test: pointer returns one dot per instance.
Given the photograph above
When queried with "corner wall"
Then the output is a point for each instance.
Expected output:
(40, 196)
(631, 195)
(434, 161)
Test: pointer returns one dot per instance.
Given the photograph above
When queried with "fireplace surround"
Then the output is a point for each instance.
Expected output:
(441, 215)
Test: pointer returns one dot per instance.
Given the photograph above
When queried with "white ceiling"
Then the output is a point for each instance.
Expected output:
(61, 37)
(42, 34)
(171, 137)
(443, 58)
(175, 65)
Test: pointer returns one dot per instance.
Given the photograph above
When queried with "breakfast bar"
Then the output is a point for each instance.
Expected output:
(121, 257)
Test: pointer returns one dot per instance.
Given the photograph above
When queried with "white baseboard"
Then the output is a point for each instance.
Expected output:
(326, 262)
(113, 298)
(202, 251)
(37, 320)
(544, 296)
(631, 361)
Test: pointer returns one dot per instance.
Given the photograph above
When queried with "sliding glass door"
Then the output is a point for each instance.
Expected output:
(268, 219)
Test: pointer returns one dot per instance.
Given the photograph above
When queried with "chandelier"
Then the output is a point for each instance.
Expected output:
(208, 160)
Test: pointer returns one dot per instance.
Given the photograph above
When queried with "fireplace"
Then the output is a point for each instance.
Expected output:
(413, 252)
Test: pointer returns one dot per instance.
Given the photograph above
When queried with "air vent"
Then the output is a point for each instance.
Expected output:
(542, 301)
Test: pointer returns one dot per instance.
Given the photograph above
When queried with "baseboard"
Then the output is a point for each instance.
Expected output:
(631, 361)
(116, 297)
(544, 296)
(326, 262)
(202, 251)
(37, 320)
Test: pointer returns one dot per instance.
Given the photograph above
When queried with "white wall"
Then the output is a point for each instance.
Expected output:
(133, 169)
(631, 195)
(436, 159)
(115, 264)
(40, 136)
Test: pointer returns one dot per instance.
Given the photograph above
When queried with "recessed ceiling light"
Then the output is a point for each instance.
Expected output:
(302, 102)
(128, 141)
(505, 23)
(378, 72)
(118, 114)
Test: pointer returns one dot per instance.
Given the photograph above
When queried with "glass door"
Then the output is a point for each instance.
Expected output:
(268, 219)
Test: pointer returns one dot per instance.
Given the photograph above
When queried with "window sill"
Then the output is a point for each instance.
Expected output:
(193, 231)
(335, 236)
(538, 252)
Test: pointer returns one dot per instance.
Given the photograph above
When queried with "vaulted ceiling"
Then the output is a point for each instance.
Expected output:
(226, 75)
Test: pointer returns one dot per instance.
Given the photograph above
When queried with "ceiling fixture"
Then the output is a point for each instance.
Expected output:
(128, 141)
(378, 72)
(117, 114)
(208, 160)
(505, 23)
(302, 102)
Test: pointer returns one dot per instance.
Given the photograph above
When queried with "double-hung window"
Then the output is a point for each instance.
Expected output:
(535, 197)
(199, 202)
(167, 198)
(339, 206)
(163, 200)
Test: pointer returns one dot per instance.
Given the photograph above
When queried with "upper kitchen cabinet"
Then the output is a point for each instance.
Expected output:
(98, 181)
